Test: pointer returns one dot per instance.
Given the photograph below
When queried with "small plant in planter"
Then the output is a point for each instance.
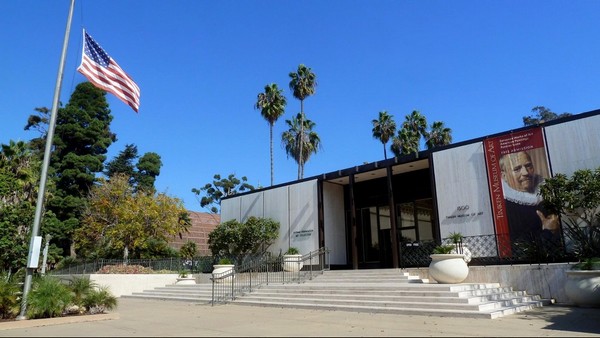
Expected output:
(225, 261)
(223, 266)
(457, 243)
(443, 249)
(292, 260)
(292, 251)
(185, 277)
(447, 266)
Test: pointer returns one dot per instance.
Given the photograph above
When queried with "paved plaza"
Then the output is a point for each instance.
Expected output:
(154, 318)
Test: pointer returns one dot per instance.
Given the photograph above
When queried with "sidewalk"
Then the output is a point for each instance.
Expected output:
(154, 318)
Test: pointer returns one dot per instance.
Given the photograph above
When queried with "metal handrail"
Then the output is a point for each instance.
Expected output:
(267, 269)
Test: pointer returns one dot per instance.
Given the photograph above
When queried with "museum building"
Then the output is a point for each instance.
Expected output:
(378, 215)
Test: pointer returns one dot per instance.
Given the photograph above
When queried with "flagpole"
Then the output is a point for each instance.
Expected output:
(42, 189)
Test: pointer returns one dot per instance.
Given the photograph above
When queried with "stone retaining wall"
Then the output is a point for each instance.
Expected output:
(545, 280)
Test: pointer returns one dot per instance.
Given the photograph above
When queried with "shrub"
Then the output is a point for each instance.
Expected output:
(99, 300)
(237, 240)
(9, 295)
(125, 269)
(225, 261)
(292, 251)
(48, 298)
(443, 249)
(81, 287)
(188, 250)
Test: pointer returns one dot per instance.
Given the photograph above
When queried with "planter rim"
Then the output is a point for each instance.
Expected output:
(583, 272)
(447, 255)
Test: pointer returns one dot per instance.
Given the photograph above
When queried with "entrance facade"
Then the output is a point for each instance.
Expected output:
(413, 217)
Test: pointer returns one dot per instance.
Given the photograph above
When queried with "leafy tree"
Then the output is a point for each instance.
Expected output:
(300, 133)
(438, 135)
(116, 218)
(81, 140)
(577, 200)
(219, 188)
(541, 115)
(148, 168)
(188, 250)
(383, 129)
(303, 84)
(143, 174)
(272, 106)
(19, 177)
(236, 239)
(123, 163)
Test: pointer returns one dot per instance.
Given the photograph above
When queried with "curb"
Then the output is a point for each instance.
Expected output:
(21, 324)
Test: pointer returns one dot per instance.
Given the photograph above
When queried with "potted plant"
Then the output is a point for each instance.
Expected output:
(577, 200)
(292, 260)
(447, 267)
(185, 278)
(459, 248)
(224, 266)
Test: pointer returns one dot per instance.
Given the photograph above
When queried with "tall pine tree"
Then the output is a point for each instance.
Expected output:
(81, 140)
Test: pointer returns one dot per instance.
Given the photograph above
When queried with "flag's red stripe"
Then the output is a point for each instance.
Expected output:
(112, 79)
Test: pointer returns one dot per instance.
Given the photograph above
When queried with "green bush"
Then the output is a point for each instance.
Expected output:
(99, 300)
(9, 295)
(236, 240)
(188, 250)
(443, 249)
(81, 287)
(292, 251)
(48, 298)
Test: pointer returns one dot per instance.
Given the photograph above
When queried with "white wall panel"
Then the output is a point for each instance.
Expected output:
(251, 205)
(276, 207)
(334, 220)
(304, 233)
(462, 191)
(574, 145)
(230, 209)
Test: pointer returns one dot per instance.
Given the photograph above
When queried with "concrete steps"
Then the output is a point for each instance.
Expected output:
(197, 293)
(374, 291)
(390, 291)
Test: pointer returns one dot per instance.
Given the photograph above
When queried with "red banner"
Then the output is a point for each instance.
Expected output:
(526, 146)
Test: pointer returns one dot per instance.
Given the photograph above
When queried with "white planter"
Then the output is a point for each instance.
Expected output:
(583, 287)
(292, 263)
(448, 268)
(186, 280)
(221, 269)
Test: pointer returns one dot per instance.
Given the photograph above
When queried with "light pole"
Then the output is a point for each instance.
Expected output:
(34, 244)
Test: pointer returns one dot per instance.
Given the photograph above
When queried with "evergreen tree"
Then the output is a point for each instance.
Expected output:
(81, 140)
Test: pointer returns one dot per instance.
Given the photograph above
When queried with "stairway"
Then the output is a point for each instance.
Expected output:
(391, 291)
(197, 293)
(374, 291)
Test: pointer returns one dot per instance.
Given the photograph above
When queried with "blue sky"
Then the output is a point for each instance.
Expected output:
(479, 66)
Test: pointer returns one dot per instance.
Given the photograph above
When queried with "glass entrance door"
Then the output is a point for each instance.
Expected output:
(367, 237)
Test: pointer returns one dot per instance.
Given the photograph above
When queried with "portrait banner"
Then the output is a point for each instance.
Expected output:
(516, 164)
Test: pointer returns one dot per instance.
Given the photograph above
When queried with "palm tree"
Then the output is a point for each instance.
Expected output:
(303, 83)
(438, 135)
(406, 142)
(415, 122)
(272, 105)
(300, 141)
(383, 129)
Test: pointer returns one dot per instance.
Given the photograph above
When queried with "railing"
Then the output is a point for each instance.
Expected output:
(491, 250)
(175, 264)
(228, 285)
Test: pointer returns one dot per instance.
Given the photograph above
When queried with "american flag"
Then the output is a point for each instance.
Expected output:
(104, 72)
